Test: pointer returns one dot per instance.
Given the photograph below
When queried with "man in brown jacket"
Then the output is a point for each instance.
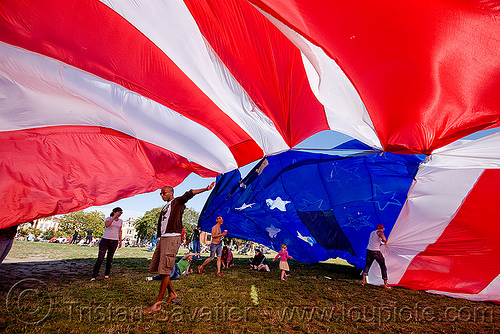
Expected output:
(169, 239)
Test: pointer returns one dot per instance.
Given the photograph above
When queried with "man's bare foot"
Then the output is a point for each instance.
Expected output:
(171, 298)
(154, 308)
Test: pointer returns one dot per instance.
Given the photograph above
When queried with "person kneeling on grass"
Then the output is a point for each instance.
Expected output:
(227, 258)
(181, 268)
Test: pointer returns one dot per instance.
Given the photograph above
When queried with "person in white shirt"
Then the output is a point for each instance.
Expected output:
(373, 253)
(111, 239)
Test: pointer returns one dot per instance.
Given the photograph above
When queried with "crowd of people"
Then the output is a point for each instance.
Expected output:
(74, 239)
(170, 232)
(169, 237)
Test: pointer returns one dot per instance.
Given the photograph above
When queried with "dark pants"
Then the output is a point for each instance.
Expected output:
(5, 246)
(377, 256)
(109, 246)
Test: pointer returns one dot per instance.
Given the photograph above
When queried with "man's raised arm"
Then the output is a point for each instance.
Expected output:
(197, 191)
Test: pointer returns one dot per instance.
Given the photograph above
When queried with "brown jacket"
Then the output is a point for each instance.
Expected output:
(177, 208)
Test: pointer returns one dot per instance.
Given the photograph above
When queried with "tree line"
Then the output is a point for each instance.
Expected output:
(147, 224)
(94, 220)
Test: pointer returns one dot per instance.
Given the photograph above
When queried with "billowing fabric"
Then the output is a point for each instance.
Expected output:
(101, 100)
(440, 220)
(320, 205)
(105, 100)
(427, 71)
(445, 239)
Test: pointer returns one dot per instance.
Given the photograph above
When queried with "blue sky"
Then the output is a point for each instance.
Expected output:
(136, 206)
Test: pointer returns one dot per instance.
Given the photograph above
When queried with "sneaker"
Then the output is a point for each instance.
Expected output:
(149, 279)
(388, 287)
(362, 283)
(220, 275)
(92, 279)
(200, 270)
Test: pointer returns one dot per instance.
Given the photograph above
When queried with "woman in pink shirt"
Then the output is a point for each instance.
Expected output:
(283, 255)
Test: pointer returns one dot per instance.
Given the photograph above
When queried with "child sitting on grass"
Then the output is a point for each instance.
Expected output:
(258, 262)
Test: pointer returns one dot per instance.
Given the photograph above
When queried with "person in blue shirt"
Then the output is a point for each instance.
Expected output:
(154, 241)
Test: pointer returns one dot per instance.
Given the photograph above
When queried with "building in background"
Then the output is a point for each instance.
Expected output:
(129, 231)
(46, 223)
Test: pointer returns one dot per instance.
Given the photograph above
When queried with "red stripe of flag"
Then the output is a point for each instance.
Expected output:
(55, 170)
(89, 35)
(428, 71)
(267, 65)
(465, 257)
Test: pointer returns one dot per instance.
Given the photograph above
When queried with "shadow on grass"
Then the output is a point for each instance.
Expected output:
(58, 270)
(317, 298)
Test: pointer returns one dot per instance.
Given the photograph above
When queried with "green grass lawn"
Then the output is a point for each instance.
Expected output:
(46, 289)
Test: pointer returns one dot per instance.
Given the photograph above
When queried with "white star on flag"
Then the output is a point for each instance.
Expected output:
(278, 203)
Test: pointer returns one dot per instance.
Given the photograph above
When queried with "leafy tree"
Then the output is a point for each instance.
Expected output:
(84, 221)
(22, 230)
(53, 233)
(27, 230)
(190, 221)
(147, 224)
(49, 234)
